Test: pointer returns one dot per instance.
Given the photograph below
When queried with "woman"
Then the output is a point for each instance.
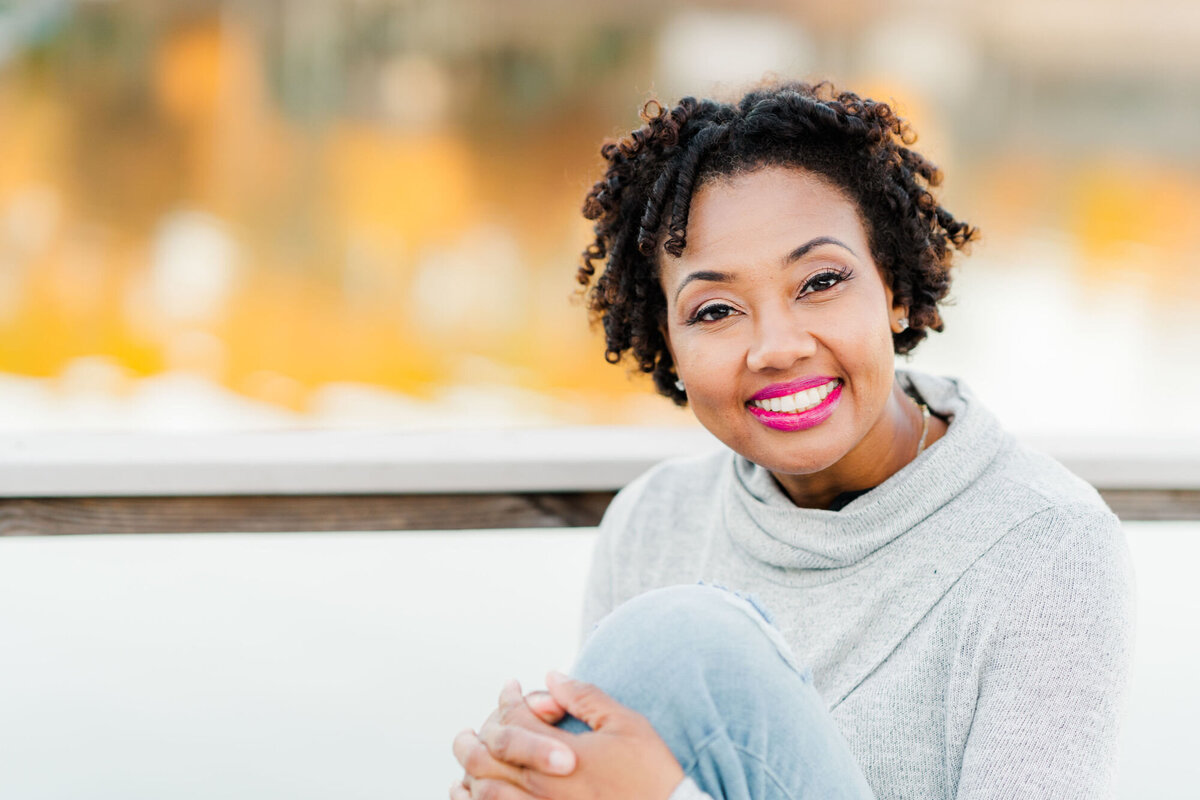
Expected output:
(951, 611)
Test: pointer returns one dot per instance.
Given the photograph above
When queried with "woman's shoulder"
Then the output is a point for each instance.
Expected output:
(1071, 527)
(1046, 485)
(651, 526)
(1006, 471)
(1063, 535)
(661, 491)
(682, 478)
(1040, 511)
(1052, 515)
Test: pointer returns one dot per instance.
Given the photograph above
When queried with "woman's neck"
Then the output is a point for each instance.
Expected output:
(885, 450)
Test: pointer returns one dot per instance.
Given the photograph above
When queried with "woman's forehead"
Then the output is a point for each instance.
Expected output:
(763, 215)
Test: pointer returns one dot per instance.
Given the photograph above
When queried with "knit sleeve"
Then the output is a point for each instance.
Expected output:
(599, 596)
(1053, 670)
(598, 592)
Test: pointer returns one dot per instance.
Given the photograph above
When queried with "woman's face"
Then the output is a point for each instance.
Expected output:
(780, 324)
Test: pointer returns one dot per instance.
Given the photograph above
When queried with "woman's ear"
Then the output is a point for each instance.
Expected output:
(898, 312)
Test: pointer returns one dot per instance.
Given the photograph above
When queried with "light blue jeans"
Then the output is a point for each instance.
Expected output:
(722, 688)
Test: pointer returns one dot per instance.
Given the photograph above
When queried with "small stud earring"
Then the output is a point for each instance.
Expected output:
(903, 323)
(679, 385)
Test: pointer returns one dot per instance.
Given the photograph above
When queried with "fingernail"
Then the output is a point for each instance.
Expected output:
(556, 676)
(561, 762)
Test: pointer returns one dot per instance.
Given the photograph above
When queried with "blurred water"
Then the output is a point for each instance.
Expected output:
(1053, 355)
(341, 665)
(220, 215)
(1048, 355)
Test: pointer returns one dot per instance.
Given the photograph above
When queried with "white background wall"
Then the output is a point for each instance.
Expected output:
(297, 666)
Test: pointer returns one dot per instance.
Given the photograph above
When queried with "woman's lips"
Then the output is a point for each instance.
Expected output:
(792, 387)
(797, 420)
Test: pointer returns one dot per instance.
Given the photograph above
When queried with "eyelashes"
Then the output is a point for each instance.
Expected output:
(823, 281)
(708, 309)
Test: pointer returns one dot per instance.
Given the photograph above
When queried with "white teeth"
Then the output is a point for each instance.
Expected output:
(800, 401)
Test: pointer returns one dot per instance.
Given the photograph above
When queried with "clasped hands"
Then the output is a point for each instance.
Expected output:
(518, 754)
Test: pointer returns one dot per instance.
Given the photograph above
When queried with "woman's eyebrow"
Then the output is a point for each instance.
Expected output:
(702, 275)
(795, 255)
(803, 249)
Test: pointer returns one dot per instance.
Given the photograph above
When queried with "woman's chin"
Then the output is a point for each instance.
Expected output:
(798, 452)
(806, 466)
(793, 460)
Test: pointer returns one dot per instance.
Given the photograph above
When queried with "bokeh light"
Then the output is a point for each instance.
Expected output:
(365, 213)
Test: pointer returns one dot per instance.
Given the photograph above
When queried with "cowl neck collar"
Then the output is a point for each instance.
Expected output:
(764, 523)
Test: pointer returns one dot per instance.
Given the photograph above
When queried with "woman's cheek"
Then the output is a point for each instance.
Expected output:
(702, 355)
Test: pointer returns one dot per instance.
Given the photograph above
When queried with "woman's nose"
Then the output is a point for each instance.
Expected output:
(779, 344)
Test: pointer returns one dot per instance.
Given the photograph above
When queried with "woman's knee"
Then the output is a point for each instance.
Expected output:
(703, 665)
(720, 686)
(674, 638)
(702, 616)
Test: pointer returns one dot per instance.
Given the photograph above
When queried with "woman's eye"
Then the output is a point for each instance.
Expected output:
(711, 313)
(823, 282)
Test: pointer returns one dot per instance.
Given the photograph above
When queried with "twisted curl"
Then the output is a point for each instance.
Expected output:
(644, 197)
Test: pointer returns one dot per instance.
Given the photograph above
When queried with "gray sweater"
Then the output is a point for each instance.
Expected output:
(968, 622)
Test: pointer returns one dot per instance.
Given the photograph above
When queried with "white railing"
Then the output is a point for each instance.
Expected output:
(515, 478)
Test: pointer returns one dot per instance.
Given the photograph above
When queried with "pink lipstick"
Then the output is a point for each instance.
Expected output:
(791, 387)
(818, 403)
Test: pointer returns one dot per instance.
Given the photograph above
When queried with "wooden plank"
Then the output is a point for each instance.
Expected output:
(88, 515)
(1153, 504)
(270, 513)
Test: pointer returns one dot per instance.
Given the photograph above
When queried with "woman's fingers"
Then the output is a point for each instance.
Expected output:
(509, 759)
(510, 694)
(475, 759)
(545, 707)
(511, 734)
(585, 701)
(522, 747)
(487, 789)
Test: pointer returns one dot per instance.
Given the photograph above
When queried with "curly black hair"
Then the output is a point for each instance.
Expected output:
(859, 145)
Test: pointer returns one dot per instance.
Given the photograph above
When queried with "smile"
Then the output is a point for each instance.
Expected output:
(799, 401)
(805, 405)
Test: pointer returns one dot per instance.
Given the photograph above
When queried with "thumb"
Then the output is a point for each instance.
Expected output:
(584, 701)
